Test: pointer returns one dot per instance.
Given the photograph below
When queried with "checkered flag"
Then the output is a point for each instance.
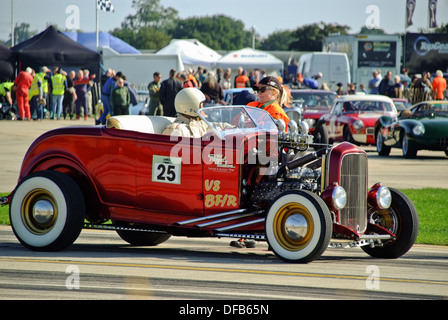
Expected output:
(105, 5)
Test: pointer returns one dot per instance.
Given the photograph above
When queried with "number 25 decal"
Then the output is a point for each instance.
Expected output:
(166, 169)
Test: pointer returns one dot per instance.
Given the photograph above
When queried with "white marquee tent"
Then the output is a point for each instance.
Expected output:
(191, 51)
(250, 59)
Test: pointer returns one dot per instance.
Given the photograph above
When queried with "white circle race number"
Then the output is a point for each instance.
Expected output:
(166, 169)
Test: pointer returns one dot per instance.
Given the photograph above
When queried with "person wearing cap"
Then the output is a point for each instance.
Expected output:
(272, 96)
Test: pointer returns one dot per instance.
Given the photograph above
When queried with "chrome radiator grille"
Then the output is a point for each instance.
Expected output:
(354, 181)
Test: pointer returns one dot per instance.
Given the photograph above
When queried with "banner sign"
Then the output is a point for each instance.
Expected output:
(426, 52)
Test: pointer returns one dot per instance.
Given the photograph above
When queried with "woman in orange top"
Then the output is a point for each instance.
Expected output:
(272, 96)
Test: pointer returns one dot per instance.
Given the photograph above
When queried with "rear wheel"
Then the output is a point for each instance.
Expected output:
(401, 219)
(298, 226)
(47, 211)
(140, 238)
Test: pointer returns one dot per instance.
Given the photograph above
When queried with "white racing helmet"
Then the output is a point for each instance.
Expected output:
(188, 101)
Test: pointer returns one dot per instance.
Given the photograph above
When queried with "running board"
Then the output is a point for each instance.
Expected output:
(117, 228)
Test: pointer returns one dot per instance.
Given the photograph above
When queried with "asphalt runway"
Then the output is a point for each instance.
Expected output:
(99, 265)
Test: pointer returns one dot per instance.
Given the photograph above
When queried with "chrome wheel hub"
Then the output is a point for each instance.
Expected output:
(296, 227)
(43, 212)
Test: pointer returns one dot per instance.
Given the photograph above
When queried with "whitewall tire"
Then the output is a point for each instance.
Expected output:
(298, 226)
(47, 211)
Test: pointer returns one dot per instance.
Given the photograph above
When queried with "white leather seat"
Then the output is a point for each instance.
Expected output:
(145, 124)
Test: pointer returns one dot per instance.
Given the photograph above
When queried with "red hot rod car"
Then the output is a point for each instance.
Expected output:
(251, 180)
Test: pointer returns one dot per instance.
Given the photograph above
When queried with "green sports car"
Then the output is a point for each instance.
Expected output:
(422, 127)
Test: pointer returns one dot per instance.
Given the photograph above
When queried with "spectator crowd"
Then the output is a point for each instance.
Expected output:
(415, 88)
(56, 94)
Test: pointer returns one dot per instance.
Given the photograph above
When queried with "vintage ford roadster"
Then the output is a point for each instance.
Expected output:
(252, 180)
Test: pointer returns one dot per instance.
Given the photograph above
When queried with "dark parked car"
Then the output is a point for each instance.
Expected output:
(423, 127)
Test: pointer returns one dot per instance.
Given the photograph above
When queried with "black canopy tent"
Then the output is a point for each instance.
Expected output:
(6, 64)
(52, 48)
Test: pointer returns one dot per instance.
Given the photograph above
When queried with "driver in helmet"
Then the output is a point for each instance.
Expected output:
(187, 124)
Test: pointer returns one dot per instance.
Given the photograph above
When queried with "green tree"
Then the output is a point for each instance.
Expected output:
(219, 32)
(148, 27)
(365, 30)
(279, 40)
(310, 37)
(442, 29)
(150, 13)
(22, 33)
(143, 38)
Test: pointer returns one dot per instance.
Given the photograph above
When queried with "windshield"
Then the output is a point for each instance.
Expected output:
(313, 99)
(367, 106)
(226, 120)
(439, 110)
(431, 110)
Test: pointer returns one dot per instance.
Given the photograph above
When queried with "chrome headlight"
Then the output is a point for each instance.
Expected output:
(358, 124)
(339, 197)
(383, 197)
(335, 197)
(418, 130)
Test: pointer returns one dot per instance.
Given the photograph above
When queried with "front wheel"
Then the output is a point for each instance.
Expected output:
(408, 148)
(298, 226)
(401, 219)
(381, 148)
(348, 135)
(47, 211)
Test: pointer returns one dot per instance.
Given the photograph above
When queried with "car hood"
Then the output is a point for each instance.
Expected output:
(370, 115)
(436, 126)
(435, 122)
(315, 112)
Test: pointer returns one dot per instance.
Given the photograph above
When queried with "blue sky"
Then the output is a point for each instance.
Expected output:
(266, 15)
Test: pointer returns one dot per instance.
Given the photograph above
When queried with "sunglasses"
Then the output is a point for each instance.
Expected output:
(263, 89)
